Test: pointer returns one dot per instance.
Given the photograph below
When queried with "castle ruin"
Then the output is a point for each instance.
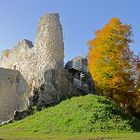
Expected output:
(35, 74)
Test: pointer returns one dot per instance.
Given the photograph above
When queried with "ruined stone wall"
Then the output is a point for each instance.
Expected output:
(49, 42)
(49, 47)
(19, 58)
(13, 92)
(47, 53)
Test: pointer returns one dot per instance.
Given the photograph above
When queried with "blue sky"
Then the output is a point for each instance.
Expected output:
(79, 18)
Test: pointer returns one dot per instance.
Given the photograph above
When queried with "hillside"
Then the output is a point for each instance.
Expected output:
(83, 114)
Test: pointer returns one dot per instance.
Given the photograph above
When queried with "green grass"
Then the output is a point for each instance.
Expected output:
(20, 135)
(82, 117)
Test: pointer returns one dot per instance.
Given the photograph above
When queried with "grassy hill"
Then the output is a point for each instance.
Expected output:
(84, 114)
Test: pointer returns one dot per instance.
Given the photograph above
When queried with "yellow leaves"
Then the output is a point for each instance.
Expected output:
(109, 57)
(115, 21)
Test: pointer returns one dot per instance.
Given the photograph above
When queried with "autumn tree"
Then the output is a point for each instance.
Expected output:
(138, 73)
(111, 63)
(136, 104)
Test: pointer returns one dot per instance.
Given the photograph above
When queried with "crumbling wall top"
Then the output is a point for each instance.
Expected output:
(21, 45)
(47, 16)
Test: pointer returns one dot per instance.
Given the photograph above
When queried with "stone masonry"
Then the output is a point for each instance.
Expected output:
(34, 74)
(47, 53)
(13, 92)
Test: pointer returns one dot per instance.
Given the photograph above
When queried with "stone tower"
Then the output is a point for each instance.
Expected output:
(49, 41)
(49, 48)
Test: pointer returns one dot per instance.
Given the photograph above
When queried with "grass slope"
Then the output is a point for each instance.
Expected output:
(85, 114)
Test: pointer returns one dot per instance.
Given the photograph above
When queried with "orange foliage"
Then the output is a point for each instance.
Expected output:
(110, 61)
